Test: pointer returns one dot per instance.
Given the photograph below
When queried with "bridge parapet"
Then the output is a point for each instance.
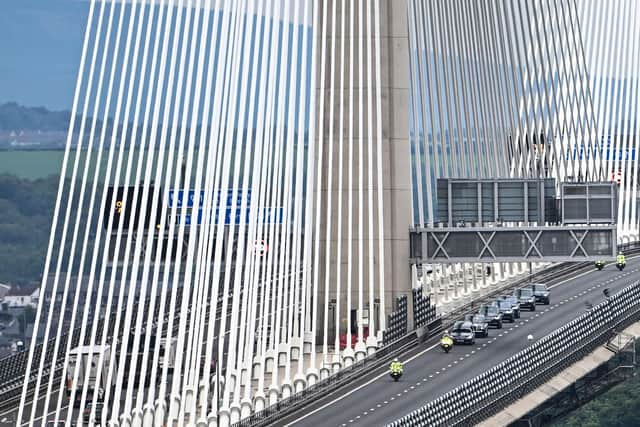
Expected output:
(470, 403)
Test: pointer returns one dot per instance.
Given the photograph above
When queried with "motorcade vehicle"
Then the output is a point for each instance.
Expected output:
(446, 343)
(492, 315)
(599, 265)
(514, 303)
(92, 365)
(505, 307)
(395, 369)
(526, 298)
(479, 324)
(463, 333)
(541, 292)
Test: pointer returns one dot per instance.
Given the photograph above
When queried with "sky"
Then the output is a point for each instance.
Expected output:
(40, 49)
(40, 46)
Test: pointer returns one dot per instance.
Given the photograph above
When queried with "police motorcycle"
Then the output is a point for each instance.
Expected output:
(446, 342)
(599, 265)
(395, 369)
(621, 262)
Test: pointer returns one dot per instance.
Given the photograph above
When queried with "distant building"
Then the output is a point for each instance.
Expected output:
(22, 297)
(4, 290)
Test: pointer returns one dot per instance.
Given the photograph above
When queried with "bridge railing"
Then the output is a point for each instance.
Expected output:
(485, 394)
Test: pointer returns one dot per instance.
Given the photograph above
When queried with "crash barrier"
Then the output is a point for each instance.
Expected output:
(423, 311)
(487, 393)
(396, 321)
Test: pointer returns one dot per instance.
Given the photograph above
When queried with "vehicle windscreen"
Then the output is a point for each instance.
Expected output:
(478, 319)
(504, 304)
(492, 311)
(526, 292)
(539, 288)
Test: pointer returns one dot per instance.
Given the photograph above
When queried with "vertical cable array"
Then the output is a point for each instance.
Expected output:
(609, 42)
(181, 254)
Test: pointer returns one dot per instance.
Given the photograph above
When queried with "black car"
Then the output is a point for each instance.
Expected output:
(541, 292)
(463, 333)
(479, 324)
(515, 304)
(526, 298)
(492, 314)
(506, 308)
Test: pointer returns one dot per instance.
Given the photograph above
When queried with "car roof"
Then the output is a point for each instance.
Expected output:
(463, 324)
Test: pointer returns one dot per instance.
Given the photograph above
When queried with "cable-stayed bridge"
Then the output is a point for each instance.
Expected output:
(241, 222)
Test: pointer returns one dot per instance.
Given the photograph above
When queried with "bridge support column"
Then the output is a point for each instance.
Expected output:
(386, 143)
(361, 350)
(125, 420)
(147, 420)
(372, 344)
(189, 398)
(349, 356)
(160, 413)
(312, 376)
(287, 388)
(224, 417)
(308, 343)
(324, 371)
(259, 401)
(336, 362)
(269, 360)
(257, 368)
(274, 392)
(136, 419)
(234, 412)
(212, 419)
(299, 383)
(245, 408)
(174, 409)
(295, 349)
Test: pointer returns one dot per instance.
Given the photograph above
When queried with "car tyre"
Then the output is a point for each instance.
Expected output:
(533, 307)
(547, 302)
(500, 325)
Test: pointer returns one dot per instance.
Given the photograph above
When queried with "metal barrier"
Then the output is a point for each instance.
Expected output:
(397, 322)
(506, 382)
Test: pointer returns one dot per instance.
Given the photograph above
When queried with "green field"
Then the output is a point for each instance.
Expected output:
(40, 164)
(31, 164)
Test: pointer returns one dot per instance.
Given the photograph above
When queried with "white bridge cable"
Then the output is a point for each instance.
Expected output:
(52, 240)
(199, 126)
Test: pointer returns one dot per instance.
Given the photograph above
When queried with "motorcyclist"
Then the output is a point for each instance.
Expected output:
(446, 339)
(395, 366)
(620, 259)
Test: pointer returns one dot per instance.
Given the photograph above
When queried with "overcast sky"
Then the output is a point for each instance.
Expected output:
(40, 46)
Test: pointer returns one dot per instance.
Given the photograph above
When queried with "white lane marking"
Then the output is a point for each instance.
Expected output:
(374, 379)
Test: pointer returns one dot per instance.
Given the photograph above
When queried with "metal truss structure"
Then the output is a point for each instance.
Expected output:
(513, 244)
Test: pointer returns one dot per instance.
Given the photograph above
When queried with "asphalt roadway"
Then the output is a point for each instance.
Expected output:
(429, 373)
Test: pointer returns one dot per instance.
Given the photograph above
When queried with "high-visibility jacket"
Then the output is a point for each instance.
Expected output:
(620, 259)
(395, 367)
(446, 340)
